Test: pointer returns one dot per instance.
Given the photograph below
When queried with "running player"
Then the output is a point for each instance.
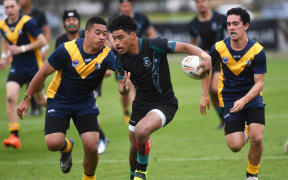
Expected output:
(71, 22)
(21, 42)
(144, 29)
(243, 65)
(155, 104)
(80, 66)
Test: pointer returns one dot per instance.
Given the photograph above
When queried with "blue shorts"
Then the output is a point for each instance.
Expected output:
(58, 115)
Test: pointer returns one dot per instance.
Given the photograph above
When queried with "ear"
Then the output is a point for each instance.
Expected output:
(86, 33)
(247, 26)
(133, 35)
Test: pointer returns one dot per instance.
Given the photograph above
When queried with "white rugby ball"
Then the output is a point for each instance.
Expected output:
(190, 67)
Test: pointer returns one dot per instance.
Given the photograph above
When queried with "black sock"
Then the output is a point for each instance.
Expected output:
(15, 132)
(250, 175)
(101, 134)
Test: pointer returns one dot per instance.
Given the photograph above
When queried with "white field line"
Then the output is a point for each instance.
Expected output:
(109, 161)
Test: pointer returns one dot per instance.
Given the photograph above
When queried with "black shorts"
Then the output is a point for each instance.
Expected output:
(21, 80)
(139, 110)
(85, 123)
(235, 122)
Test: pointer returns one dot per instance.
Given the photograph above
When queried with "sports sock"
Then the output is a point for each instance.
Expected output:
(67, 146)
(143, 155)
(14, 128)
(86, 177)
(132, 172)
(252, 170)
(101, 134)
(127, 113)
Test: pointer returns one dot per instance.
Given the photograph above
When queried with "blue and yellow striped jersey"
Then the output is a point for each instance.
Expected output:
(77, 73)
(22, 32)
(237, 70)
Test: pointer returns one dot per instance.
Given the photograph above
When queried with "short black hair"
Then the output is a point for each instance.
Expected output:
(245, 17)
(94, 20)
(126, 23)
(121, 1)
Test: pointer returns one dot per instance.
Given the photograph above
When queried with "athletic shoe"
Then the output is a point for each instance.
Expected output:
(66, 160)
(12, 141)
(246, 133)
(140, 175)
(252, 178)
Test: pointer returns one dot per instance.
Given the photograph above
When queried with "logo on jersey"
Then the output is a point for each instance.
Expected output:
(75, 63)
(5, 33)
(97, 66)
(88, 60)
(248, 63)
(20, 32)
(225, 60)
(147, 62)
(237, 56)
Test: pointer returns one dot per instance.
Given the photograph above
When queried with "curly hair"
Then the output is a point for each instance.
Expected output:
(126, 23)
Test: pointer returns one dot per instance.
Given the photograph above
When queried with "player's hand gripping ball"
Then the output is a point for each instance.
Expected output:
(190, 67)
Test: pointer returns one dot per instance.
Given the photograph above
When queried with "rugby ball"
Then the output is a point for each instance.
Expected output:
(190, 67)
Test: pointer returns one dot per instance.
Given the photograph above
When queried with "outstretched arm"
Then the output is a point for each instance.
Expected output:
(206, 64)
(39, 42)
(35, 84)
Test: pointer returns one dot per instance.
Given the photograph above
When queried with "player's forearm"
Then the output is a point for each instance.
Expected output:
(254, 91)
(205, 85)
(36, 83)
(39, 42)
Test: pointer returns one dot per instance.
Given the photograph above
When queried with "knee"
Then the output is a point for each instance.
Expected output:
(141, 133)
(235, 147)
(256, 140)
(54, 145)
(11, 98)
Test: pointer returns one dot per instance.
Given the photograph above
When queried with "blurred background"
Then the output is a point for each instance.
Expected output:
(171, 17)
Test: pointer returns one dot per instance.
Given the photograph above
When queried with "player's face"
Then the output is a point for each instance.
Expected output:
(126, 8)
(123, 41)
(72, 24)
(202, 5)
(96, 36)
(11, 8)
(235, 27)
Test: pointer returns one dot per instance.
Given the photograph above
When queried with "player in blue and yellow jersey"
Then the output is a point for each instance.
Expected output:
(40, 20)
(155, 103)
(21, 44)
(242, 65)
(80, 66)
(71, 22)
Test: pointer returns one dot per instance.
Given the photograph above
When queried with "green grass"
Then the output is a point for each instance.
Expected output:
(189, 148)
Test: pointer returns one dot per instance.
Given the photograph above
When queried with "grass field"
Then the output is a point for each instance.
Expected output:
(189, 148)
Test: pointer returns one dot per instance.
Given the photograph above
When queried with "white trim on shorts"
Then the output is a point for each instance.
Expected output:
(157, 111)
